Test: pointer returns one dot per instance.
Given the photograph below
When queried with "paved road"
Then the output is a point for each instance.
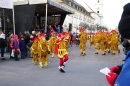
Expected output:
(80, 70)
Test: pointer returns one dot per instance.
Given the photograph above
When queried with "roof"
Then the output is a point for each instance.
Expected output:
(53, 8)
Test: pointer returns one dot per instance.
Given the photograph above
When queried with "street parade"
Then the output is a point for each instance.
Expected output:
(64, 43)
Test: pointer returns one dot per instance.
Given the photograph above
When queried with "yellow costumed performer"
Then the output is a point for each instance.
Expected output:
(83, 39)
(60, 49)
(108, 43)
(52, 42)
(34, 50)
(43, 51)
(114, 42)
(101, 40)
(66, 39)
(92, 40)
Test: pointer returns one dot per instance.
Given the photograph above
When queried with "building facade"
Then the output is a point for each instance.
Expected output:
(84, 16)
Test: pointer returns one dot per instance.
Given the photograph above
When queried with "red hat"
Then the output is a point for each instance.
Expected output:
(93, 33)
(35, 40)
(43, 34)
(100, 31)
(81, 29)
(113, 31)
(15, 36)
(64, 33)
(60, 36)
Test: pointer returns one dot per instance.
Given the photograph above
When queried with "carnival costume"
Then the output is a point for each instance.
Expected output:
(101, 40)
(52, 42)
(60, 49)
(43, 51)
(34, 50)
(66, 39)
(92, 40)
(108, 41)
(83, 39)
(114, 42)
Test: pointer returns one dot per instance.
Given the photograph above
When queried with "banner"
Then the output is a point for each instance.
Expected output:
(6, 4)
(37, 1)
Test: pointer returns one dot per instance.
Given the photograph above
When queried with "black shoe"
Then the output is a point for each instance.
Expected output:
(16, 59)
(3, 59)
(96, 53)
(22, 57)
(11, 57)
(81, 53)
(63, 66)
(61, 70)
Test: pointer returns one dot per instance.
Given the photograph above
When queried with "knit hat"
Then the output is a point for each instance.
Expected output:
(124, 24)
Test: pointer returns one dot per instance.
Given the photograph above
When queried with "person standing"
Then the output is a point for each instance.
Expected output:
(77, 39)
(48, 33)
(120, 75)
(61, 51)
(3, 44)
(22, 46)
(27, 40)
(58, 29)
(14, 44)
(10, 38)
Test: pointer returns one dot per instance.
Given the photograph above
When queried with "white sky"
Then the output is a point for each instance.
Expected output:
(112, 11)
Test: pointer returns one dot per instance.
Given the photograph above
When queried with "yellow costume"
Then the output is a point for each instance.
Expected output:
(92, 40)
(52, 42)
(83, 39)
(34, 50)
(43, 52)
(108, 42)
(101, 40)
(114, 42)
(66, 40)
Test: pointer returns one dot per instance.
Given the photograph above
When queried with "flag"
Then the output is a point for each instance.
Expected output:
(6, 4)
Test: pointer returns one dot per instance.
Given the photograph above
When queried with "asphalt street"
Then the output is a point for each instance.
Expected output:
(80, 70)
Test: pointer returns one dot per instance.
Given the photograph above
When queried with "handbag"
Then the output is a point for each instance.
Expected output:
(12, 53)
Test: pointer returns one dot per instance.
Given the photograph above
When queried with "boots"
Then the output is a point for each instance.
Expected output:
(45, 63)
(61, 69)
(22, 57)
(16, 57)
(52, 55)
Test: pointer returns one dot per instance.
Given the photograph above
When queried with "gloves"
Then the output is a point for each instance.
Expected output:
(111, 78)
(115, 69)
(114, 72)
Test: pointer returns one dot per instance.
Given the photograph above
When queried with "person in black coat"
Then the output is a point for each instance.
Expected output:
(3, 44)
(27, 40)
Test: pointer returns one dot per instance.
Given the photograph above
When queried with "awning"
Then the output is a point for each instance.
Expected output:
(53, 8)
(60, 6)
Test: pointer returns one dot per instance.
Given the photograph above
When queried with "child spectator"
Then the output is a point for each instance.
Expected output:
(14, 45)
(22, 46)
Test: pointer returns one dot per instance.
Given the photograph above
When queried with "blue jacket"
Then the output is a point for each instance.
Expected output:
(123, 78)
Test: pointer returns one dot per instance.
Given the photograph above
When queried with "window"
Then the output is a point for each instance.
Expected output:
(98, 1)
(73, 5)
(77, 7)
(69, 3)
